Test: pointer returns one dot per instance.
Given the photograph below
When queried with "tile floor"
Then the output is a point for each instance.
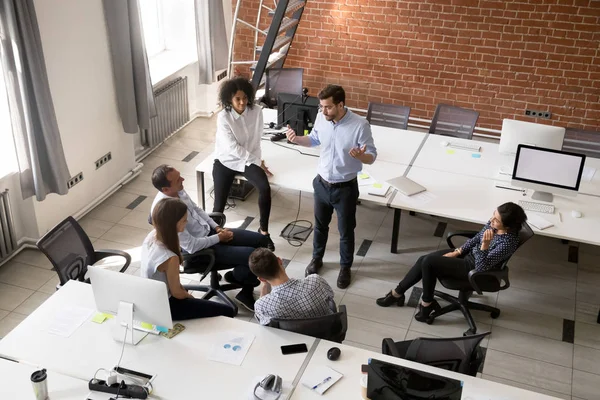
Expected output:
(530, 345)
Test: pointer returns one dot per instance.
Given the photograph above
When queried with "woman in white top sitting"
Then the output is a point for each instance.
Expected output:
(161, 257)
(237, 148)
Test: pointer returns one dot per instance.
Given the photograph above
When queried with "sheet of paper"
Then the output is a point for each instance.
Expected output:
(588, 174)
(68, 319)
(322, 377)
(231, 348)
(365, 178)
(419, 198)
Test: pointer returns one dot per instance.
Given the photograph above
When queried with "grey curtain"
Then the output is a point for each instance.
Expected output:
(211, 38)
(42, 164)
(130, 64)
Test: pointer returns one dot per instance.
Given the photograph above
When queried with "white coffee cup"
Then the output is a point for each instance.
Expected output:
(363, 387)
(40, 384)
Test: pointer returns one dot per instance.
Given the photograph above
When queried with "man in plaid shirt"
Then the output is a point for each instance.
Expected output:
(288, 298)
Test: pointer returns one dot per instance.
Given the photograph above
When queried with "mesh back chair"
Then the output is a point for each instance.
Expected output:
(388, 115)
(453, 121)
(484, 281)
(462, 354)
(329, 327)
(580, 141)
(203, 262)
(70, 251)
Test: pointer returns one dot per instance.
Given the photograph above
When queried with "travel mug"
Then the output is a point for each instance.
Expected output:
(40, 384)
(363, 386)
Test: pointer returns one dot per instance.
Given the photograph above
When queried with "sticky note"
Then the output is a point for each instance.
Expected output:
(363, 176)
(146, 325)
(99, 318)
(377, 185)
(476, 155)
(450, 151)
(162, 329)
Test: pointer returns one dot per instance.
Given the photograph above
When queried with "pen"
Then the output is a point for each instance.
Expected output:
(319, 384)
(559, 217)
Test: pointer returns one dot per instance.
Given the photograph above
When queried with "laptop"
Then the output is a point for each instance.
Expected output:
(406, 186)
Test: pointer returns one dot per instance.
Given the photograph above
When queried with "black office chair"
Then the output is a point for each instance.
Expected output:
(453, 121)
(70, 251)
(484, 281)
(329, 327)
(462, 354)
(203, 262)
(583, 142)
(389, 115)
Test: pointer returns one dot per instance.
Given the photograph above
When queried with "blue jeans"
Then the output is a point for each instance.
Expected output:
(235, 254)
(343, 200)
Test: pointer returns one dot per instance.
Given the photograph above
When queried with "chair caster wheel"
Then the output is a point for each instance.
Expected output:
(495, 314)
(470, 332)
(220, 277)
(429, 321)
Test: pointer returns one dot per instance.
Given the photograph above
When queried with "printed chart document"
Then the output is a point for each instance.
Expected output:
(232, 347)
(68, 319)
(320, 379)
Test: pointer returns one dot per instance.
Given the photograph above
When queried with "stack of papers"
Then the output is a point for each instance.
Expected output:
(373, 187)
(538, 222)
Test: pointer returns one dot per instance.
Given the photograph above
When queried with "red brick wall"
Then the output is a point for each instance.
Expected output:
(498, 57)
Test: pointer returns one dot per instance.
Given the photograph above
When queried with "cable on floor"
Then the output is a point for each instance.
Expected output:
(297, 238)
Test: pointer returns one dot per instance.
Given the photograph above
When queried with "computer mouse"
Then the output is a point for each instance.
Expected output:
(575, 214)
(333, 353)
(444, 143)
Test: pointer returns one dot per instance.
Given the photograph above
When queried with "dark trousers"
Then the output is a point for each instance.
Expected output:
(182, 309)
(342, 199)
(433, 266)
(233, 254)
(223, 178)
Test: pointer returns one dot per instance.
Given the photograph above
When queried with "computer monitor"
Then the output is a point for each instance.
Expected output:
(300, 112)
(282, 80)
(520, 132)
(548, 171)
(130, 298)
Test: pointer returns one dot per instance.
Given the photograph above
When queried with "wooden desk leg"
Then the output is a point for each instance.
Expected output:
(200, 185)
(395, 230)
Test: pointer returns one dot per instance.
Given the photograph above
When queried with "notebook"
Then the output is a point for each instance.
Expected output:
(538, 221)
(320, 379)
(379, 189)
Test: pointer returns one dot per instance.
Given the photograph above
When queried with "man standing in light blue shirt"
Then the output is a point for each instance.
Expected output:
(346, 144)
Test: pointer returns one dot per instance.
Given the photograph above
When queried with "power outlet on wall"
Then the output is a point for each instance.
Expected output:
(538, 114)
(75, 180)
(103, 160)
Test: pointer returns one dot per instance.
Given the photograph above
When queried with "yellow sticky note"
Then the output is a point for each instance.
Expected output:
(146, 325)
(363, 176)
(450, 151)
(99, 318)
(377, 185)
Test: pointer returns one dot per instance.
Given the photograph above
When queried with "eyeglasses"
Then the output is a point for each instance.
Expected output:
(328, 108)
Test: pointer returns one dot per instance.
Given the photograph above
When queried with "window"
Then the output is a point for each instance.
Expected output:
(8, 157)
(153, 31)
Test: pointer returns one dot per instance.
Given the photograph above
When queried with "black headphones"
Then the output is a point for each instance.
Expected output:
(270, 384)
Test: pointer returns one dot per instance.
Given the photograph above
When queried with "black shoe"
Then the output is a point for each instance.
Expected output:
(231, 279)
(425, 312)
(270, 244)
(344, 278)
(389, 299)
(246, 299)
(313, 268)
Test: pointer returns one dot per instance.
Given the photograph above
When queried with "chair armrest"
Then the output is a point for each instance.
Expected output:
(218, 217)
(100, 254)
(500, 275)
(206, 254)
(467, 234)
(390, 345)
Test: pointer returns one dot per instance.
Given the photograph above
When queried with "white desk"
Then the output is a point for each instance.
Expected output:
(180, 363)
(351, 359)
(16, 383)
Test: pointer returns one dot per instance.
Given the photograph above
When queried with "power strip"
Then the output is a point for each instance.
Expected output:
(125, 390)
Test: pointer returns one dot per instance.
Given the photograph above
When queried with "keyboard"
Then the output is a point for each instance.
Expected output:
(465, 146)
(538, 207)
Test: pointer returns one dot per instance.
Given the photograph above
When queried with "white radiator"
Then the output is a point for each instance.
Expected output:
(8, 239)
(172, 111)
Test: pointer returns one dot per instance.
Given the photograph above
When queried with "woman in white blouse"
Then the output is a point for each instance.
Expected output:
(237, 148)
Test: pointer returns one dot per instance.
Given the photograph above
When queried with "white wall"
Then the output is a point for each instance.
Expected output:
(76, 49)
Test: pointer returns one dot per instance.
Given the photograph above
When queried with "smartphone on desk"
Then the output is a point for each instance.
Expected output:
(294, 348)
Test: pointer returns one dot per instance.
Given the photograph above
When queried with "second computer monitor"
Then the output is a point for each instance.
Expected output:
(548, 171)
(282, 80)
(520, 132)
(299, 112)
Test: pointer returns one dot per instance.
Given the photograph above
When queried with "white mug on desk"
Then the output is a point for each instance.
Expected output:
(363, 387)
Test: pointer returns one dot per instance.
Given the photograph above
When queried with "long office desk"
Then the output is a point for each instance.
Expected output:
(16, 383)
(181, 365)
